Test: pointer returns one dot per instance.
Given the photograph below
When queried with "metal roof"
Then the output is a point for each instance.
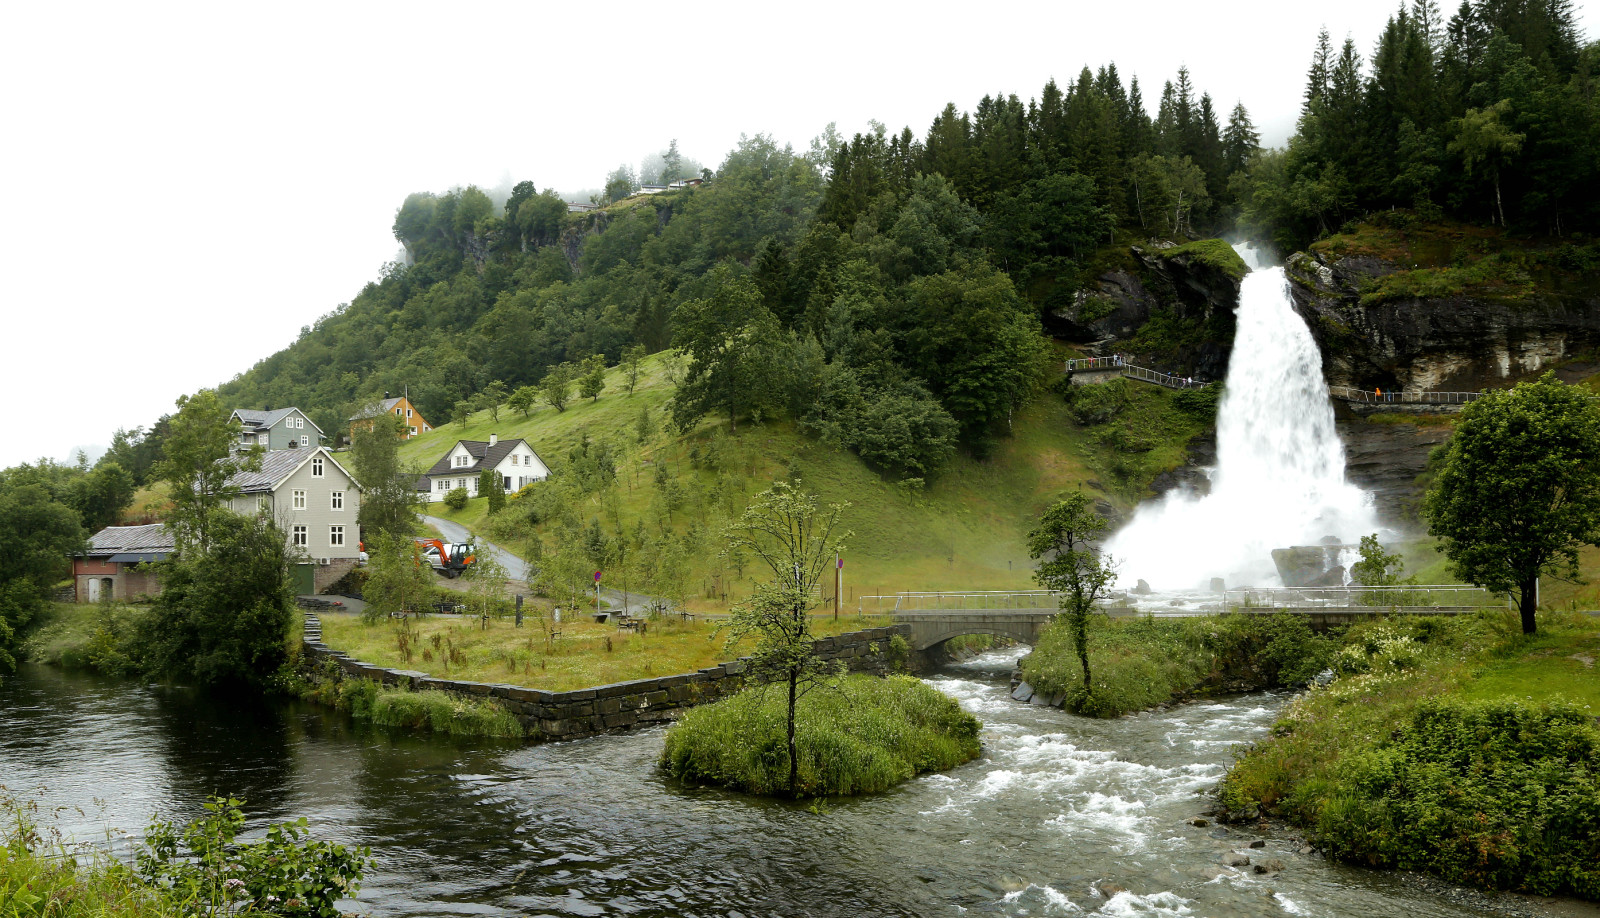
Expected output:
(113, 540)
(262, 419)
(278, 465)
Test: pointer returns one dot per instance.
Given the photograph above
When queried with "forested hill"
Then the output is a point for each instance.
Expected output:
(907, 269)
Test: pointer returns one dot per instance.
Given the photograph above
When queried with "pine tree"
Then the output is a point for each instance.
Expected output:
(1240, 140)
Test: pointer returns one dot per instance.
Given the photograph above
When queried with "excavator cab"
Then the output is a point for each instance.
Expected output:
(448, 558)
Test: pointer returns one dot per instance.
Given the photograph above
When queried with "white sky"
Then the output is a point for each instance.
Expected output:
(186, 185)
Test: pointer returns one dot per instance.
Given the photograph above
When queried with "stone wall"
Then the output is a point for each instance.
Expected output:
(604, 708)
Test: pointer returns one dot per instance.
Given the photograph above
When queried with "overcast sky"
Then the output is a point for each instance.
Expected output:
(188, 185)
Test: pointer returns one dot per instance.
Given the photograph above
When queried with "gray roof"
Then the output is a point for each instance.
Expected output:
(276, 466)
(483, 455)
(154, 538)
(372, 411)
(261, 420)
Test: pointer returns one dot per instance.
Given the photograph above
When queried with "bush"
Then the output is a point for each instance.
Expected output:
(860, 735)
(456, 499)
(1498, 794)
(1139, 663)
(440, 712)
(1098, 403)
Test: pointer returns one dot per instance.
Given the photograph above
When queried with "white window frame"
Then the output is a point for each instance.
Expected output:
(408, 412)
(305, 440)
(336, 536)
(298, 499)
(443, 483)
(316, 467)
(300, 536)
(336, 500)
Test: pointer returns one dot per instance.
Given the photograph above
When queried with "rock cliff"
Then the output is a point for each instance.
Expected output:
(1448, 343)
(1190, 293)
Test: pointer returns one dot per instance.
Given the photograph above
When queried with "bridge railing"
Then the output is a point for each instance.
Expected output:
(1120, 362)
(1401, 397)
(1408, 598)
(957, 601)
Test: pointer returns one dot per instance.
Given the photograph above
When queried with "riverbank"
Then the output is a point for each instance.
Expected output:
(1140, 663)
(1456, 746)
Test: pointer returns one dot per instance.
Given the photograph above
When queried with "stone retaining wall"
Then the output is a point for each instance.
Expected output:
(605, 708)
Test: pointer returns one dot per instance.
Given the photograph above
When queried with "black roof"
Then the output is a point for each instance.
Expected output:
(483, 456)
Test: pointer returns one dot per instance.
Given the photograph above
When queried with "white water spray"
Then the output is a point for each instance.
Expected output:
(1279, 479)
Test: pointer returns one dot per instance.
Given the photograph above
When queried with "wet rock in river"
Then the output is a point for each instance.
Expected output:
(1234, 859)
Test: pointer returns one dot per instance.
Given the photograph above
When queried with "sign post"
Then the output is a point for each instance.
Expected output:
(838, 583)
(597, 594)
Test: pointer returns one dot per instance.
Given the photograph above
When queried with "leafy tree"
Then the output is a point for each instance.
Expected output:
(462, 413)
(101, 495)
(200, 461)
(398, 579)
(730, 338)
(797, 540)
(43, 534)
(1519, 492)
(1071, 565)
(1482, 139)
(632, 357)
(491, 397)
(492, 487)
(523, 399)
(556, 387)
(1376, 567)
(620, 184)
(388, 489)
(456, 498)
(226, 612)
(592, 377)
(645, 427)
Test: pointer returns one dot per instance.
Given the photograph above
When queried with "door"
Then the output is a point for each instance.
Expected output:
(93, 588)
(305, 579)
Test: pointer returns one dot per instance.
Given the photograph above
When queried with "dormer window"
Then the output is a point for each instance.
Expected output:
(316, 467)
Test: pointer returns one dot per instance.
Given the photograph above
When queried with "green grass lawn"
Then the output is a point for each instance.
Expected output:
(584, 654)
(965, 529)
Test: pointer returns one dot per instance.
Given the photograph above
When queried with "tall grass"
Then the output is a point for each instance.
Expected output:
(440, 712)
(1139, 663)
(41, 875)
(858, 736)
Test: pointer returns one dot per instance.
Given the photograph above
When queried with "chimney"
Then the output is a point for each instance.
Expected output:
(493, 439)
(386, 394)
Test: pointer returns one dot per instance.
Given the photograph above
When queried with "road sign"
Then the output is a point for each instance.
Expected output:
(596, 576)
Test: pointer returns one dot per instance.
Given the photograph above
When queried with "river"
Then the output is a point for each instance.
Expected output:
(1055, 805)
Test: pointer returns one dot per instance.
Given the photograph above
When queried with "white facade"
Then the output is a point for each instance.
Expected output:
(316, 504)
(518, 468)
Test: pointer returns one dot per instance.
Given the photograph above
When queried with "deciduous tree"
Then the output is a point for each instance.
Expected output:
(1071, 565)
(200, 460)
(1519, 492)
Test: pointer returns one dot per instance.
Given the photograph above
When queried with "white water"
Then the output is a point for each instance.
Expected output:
(1279, 479)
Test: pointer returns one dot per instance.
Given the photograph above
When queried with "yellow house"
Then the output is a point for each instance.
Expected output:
(399, 407)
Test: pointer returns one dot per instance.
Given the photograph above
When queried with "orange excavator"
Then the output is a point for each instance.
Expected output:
(448, 558)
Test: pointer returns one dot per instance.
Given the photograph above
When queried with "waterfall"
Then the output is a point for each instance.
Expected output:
(1279, 479)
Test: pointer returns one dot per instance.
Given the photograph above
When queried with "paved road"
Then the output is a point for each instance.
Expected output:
(516, 568)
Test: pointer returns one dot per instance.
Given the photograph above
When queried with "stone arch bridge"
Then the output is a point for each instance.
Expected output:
(930, 619)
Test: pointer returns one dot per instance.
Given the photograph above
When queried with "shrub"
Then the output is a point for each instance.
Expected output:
(1098, 403)
(456, 499)
(859, 735)
(1498, 794)
(440, 712)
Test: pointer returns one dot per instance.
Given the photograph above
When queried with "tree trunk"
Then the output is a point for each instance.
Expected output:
(1497, 205)
(1528, 602)
(794, 758)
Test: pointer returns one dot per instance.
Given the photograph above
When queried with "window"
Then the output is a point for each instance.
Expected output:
(305, 440)
(507, 485)
(336, 500)
(299, 502)
(443, 483)
(300, 423)
(397, 412)
(336, 536)
(413, 431)
(316, 467)
(408, 412)
(461, 482)
(261, 505)
(299, 537)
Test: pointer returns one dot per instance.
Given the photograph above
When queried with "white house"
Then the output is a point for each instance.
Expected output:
(514, 460)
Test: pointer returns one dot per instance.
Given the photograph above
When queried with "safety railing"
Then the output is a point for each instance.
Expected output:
(1401, 397)
(1356, 598)
(1120, 363)
(972, 601)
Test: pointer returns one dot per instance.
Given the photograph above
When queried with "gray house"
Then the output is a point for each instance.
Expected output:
(280, 428)
(315, 501)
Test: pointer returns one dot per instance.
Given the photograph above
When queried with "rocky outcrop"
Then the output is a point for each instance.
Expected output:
(1186, 287)
(576, 231)
(1387, 459)
(1453, 343)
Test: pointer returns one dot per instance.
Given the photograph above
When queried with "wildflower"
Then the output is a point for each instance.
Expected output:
(234, 883)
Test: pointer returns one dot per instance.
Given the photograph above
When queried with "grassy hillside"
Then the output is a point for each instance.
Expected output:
(963, 530)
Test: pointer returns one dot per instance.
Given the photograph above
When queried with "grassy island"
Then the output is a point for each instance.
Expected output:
(859, 735)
